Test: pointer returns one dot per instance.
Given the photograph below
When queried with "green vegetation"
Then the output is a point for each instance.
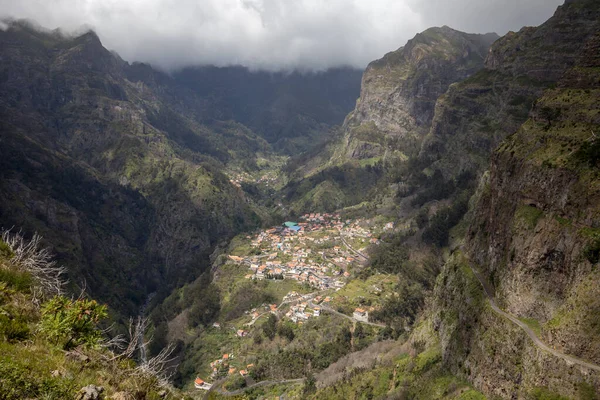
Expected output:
(333, 188)
(294, 362)
(534, 324)
(438, 230)
(417, 377)
(53, 349)
(592, 249)
(544, 394)
(71, 323)
(529, 215)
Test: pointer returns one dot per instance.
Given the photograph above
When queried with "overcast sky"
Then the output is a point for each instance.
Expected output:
(272, 34)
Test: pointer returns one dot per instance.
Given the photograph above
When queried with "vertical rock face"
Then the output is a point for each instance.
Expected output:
(475, 115)
(399, 91)
(535, 232)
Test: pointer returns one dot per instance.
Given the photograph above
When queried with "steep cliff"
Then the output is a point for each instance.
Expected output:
(399, 91)
(475, 115)
(533, 238)
(392, 116)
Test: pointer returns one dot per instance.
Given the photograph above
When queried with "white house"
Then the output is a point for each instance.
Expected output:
(200, 384)
(361, 315)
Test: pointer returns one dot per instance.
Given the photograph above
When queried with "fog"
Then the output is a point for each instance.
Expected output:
(271, 34)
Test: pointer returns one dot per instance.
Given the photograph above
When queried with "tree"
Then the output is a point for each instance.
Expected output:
(29, 256)
(270, 327)
(310, 385)
(285, 330)
(422, 217)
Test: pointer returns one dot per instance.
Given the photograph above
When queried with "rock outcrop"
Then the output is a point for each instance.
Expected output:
(475, 115)
(399, 91)
(534, 235)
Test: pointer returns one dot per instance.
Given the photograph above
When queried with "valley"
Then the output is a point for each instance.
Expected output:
(428, 228)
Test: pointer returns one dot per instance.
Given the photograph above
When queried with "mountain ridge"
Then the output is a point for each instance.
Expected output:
(140, 140)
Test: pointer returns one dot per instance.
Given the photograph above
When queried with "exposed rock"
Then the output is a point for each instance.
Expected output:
(475, 115)
(534, 234)
(90, 392)
(78, 356)
(399, 91)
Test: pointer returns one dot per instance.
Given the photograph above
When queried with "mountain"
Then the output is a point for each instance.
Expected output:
(534, 237)
(449, 232)
(392, 116)
(124, 184)
(399, 91)
(514, 308)
(475, 115)
(125, 170)
(293, 111)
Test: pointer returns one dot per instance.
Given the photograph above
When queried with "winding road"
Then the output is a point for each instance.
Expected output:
(331, 310)
(256, 319)
(358, 253)
(536, 340)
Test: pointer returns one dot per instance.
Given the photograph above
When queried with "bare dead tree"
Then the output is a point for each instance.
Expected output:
(128, 346)
(158, 366)
(30, 256)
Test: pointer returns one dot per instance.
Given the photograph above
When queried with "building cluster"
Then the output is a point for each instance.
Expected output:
(310, 251)
(303, 311)
(221, 367)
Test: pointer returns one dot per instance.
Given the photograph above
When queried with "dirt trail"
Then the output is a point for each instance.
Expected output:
(536, 340)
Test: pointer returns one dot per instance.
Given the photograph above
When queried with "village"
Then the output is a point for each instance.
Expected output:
(314, 251)
(318, 251)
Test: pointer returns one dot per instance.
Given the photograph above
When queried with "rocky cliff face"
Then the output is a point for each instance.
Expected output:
(534, 234)
(399, 91)
(475, 115)
(392, 116)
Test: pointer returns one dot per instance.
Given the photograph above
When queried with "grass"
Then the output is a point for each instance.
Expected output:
(32, 367)
(369, 161)
(542, 393)
(357, 289)
(529, 215)
(564, 222)
(533, 324)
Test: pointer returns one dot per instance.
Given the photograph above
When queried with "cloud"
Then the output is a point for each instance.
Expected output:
(271, 34)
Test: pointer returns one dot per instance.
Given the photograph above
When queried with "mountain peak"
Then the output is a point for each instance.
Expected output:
(400, 90)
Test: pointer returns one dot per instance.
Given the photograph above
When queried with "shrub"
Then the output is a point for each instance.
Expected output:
(541, 393)
(439, 227)
(589, 153)
(5, 250)
(422, 217)
(269, 327)
(592, 251)
(70, 323)
(285, 329)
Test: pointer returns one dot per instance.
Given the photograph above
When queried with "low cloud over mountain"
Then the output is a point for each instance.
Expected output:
(271, 34)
